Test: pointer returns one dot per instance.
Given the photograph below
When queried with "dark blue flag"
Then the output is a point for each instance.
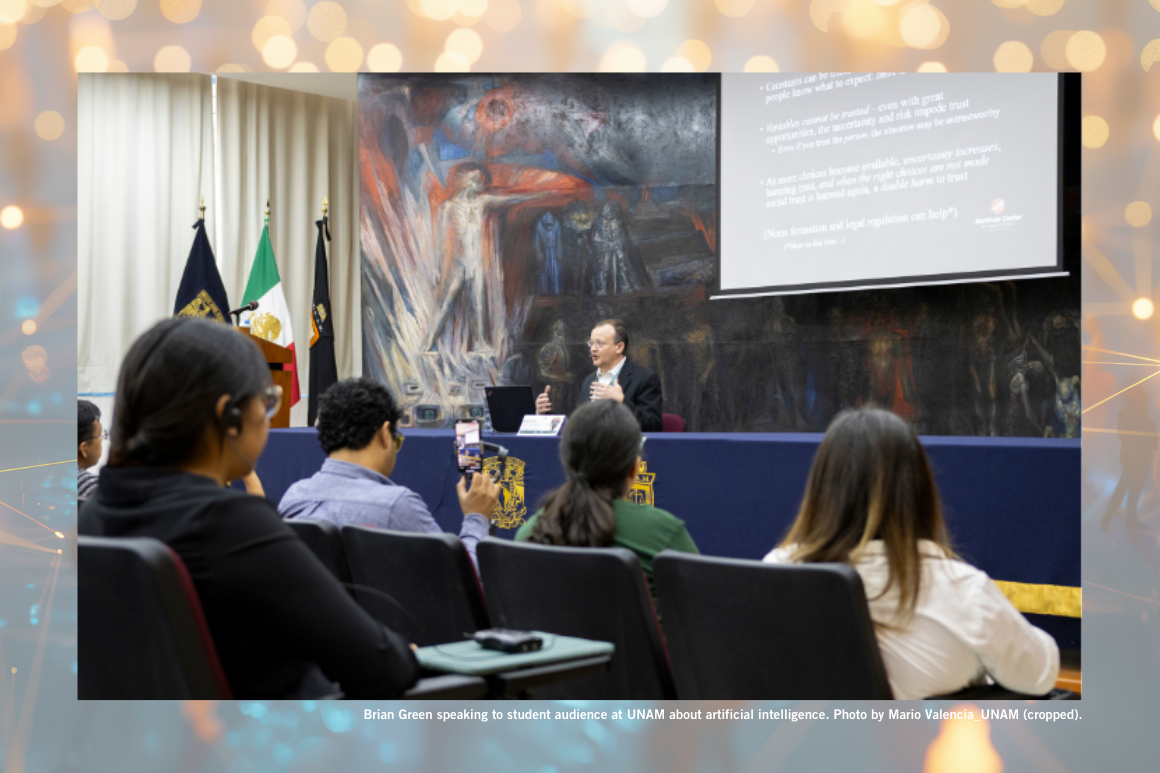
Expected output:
(323, 372)
(201, 293)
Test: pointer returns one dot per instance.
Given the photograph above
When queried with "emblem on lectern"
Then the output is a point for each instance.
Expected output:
(266, 326)
(642, 488)
(511, 509)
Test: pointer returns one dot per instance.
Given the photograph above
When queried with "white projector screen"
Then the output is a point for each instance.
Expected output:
(841, 181)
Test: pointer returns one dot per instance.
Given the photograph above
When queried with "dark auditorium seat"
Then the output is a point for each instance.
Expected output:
(671, 422)
(592, 593)
(429, 575)
(325, 541)
(743, 630)
(140, 632)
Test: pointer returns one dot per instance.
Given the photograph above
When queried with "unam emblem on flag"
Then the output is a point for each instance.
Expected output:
(511, 509)
(202, 306)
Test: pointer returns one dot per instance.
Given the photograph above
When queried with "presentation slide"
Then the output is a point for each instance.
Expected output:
(850, 180)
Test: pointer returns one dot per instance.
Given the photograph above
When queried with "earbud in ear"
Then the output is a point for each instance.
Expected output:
(232, 420)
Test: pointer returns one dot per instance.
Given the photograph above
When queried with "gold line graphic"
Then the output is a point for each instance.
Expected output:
(1101, 402)
(1122, 593)
(1122, 354)
(1091, 362)
(1121, 432)
(32, 466)
(29, 517)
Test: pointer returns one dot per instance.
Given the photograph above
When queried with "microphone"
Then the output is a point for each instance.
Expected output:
(251, 306)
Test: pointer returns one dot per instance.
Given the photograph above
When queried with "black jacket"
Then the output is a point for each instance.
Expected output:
(642, 394)
(275, 613)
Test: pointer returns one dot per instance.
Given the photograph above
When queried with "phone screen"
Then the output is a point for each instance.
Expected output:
(468, 446)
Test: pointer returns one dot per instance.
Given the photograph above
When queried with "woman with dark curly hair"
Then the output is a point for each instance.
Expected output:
(600, 451)
(871, 502)
(192, 411)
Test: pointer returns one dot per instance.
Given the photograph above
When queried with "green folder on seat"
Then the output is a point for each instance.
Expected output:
(467, 657)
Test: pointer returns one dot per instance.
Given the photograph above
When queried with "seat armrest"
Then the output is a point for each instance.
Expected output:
(447, 687)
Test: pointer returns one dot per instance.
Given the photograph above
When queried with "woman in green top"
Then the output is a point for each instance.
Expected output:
(600, 450)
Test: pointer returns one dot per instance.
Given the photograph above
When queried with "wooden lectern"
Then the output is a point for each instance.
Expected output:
(276, 356)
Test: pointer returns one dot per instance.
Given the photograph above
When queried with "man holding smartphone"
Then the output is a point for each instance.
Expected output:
(616, 378)
(358, 429)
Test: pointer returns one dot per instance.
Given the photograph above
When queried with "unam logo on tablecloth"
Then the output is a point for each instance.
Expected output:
(642, 488)
(510, 512)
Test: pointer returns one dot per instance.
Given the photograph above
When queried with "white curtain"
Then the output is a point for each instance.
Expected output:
(292, 149)
(144, 160)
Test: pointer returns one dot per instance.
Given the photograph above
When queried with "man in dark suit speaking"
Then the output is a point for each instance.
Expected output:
(616, 378)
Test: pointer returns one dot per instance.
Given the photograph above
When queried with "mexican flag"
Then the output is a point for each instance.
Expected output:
(271, 320)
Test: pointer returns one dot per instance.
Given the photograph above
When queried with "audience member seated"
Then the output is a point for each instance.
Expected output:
(600, 451)
(871, 502)
(192, 411)
(89, 437)
(358, 429)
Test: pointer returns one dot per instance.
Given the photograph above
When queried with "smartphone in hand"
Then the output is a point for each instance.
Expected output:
(469, 447)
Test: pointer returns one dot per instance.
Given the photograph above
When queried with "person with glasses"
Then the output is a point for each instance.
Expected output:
(89, 437)
(615, 378)
(358, 422)
(600, 450)
(192, 412)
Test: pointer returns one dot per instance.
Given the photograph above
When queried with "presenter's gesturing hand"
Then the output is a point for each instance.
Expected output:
(543, 402)
(612, 392)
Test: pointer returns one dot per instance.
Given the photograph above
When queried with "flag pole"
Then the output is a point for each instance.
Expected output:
(267, 211)
(201, 209)
(324, 200)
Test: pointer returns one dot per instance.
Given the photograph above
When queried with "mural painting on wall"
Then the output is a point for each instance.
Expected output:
(503, 215)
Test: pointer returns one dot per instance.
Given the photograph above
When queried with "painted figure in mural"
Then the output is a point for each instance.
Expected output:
(695, 376)
(613, 275)
(1138, 442)
(578, 242)
(1067, 409)
(922, 344)
(554, 370)
(788, 382)
(1028, 398)
(982, 367)
(888, 382)
(843, 362)
(464, 285)
(548, 254)
(1061, 339)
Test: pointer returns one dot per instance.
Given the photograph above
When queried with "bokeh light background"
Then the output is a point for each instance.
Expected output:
(44, 43)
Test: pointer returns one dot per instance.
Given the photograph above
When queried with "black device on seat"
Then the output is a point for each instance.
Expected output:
(507, 640)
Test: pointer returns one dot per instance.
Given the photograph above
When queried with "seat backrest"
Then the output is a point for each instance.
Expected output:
(141, 633)
(592, 593)
(429, 575)
(745, 630)
(671, 422)
(325, 541)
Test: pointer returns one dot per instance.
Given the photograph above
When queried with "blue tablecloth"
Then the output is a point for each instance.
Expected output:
(1012, 504)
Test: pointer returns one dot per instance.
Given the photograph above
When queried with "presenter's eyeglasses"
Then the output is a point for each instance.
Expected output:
(272, 396)
(597, 344)
(399, 438)
(103, 436)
